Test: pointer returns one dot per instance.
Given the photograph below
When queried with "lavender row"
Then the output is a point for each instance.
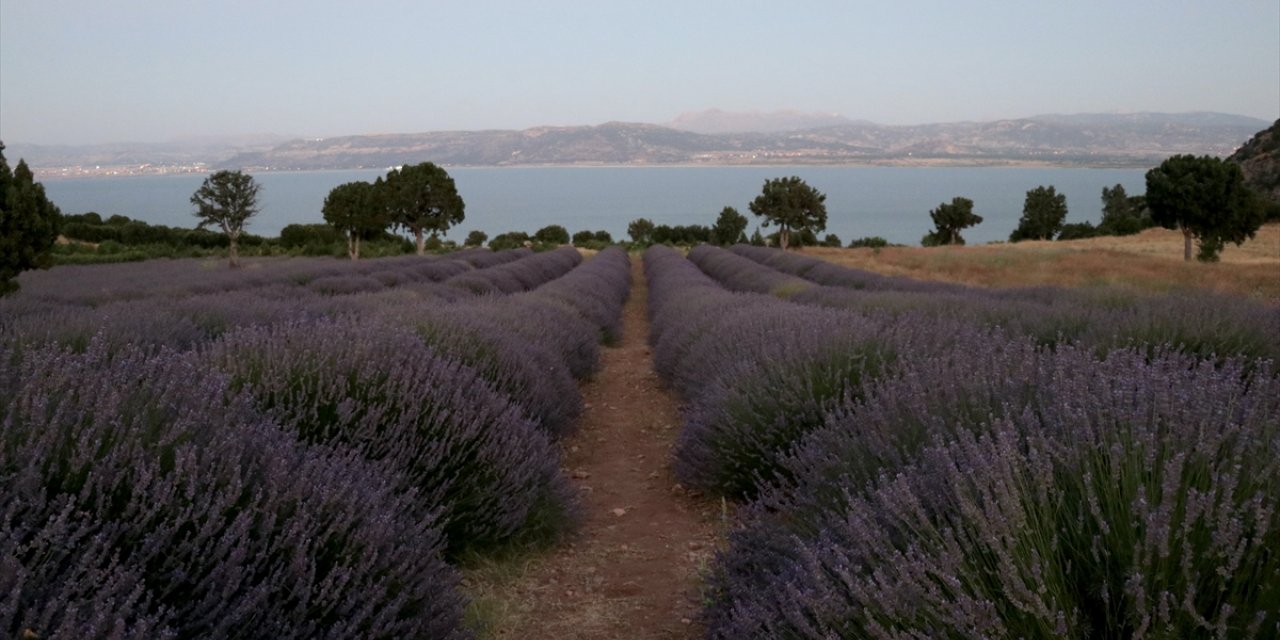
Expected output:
(90, 285)
(144, 498)
(527, 273)
(532, 346)
(828, 274)
(442, 405)
(757, 373)
(451, 440)
(987, 486)
(1023, 493)
(1208, 325)
(274, 292)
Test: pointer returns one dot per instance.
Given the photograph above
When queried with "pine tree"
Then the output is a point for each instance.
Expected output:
(29, 224)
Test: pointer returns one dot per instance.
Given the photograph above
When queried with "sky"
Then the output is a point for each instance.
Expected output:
(97, 71)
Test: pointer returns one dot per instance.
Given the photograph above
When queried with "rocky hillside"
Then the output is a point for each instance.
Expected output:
(1259, 158)
(1104, 139)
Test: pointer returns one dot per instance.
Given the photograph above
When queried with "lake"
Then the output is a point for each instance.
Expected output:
(891, 202)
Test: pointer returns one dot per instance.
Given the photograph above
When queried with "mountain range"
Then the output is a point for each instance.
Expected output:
(725, 138)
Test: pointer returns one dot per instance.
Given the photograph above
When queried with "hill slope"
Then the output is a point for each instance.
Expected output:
(1126, 140)
(1259, 158)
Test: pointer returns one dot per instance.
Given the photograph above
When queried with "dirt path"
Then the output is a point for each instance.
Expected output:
(632, 571)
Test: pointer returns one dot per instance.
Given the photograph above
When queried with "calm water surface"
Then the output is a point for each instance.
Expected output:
(892, 202)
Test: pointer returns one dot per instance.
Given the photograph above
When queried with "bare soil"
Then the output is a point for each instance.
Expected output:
(633, 570)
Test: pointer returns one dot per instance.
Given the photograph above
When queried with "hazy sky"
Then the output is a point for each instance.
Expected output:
(101, 70)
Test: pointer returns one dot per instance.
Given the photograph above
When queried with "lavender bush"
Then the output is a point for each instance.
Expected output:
(141, 498)
(597, 289)
(381, 390)
(1124, 497)
(737, 431)
(527, 372)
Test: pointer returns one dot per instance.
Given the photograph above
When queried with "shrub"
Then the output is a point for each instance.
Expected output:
(527, 372)
(1078, 231)
(736, 433)
(296, 236)
(141, 498)
(597, 289)
(380, 390)
(1121, 497)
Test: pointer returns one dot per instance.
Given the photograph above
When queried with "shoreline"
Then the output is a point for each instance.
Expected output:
(140, 171)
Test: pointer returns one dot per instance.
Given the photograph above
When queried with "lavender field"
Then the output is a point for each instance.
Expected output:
(308, 448)
(295, 449)
(921, 460)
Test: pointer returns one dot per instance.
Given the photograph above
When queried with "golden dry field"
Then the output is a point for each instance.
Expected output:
(1149, 261)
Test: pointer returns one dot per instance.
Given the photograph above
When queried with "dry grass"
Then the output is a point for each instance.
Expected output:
(1149, 261)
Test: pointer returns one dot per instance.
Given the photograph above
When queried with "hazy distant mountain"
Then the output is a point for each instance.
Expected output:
(714, 121)
(1137, 139)
(183, 151)
(1092, 139)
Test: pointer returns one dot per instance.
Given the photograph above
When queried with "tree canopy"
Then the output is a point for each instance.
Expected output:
(1043, 213)
(792, 205)
(949, 220)
(730, 227)
(641, 230)
(422, 198)
(552, 234)
(227, 199)
(29, 223)
(1206, 198)
(1122, 214)
(355, 209)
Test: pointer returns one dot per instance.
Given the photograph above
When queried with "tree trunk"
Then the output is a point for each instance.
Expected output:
(783, 234)
(353, 246)
(421, 240)
(233, 250)
(1186, 246)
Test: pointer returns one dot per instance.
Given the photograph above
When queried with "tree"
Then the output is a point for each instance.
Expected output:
(227, 199)
(509, 240)
(686, 235)
(792, 205)
(1043, 213)
(729, 228)
(831, 240)
(798, 238)
(948, 220)
(756, 240)
(1122, 214)
(475, 238)
(604, 237)
(1206, 199)
(422, 198)
(552, 234)
(641, 231)
(29, 224)
(353, 209)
